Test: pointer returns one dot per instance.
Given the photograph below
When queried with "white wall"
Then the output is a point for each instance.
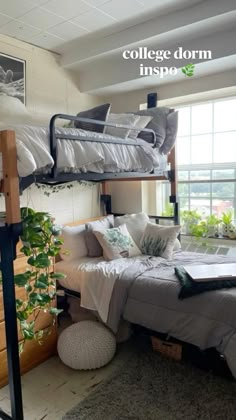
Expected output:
(50, 89)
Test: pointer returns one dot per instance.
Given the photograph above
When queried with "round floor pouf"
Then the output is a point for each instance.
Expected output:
(86, 345)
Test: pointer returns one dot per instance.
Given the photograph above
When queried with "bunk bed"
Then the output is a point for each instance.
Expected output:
(11, 184)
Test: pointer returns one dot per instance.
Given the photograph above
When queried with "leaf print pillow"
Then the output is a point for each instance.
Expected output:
(159, 241)
(116, 243)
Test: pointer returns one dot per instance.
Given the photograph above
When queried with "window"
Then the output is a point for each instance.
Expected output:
(206, 156)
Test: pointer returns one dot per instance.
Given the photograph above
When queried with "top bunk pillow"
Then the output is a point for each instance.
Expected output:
(12, 110)
(158, 124)
(93, 245)
(171, 133)
(135, 223)
(117, 243)
(124, 119)
(74, 243)
(98, 113)
(140, 124)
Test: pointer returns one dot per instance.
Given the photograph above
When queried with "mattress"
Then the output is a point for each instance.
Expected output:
(74, 156)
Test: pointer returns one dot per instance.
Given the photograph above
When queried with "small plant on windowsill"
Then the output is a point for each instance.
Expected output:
(228, 228)
(189, 218)
(40, 244)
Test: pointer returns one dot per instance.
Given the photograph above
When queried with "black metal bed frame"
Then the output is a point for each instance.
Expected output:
(10, 233)
(56, 177)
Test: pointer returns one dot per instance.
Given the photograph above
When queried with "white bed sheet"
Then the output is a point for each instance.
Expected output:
(33, 152)
(94, 278)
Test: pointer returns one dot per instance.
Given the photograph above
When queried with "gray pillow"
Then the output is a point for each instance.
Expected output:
(158, 124)
(98, 113)
(171, 133)
(93, 246)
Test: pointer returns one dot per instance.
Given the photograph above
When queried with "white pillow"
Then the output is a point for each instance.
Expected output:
(135, 223)
(117, 243)
(125, 119)
(74, 242)
(12, 110)
(177, 244)
(143, 121)
(159, 240)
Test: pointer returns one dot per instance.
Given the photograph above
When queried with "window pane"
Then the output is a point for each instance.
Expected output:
(224, 115)
(183, 203)
(202, 119)
(225, 147)
(183, 190)
(223, 174)
(183, 151)
(201, 149)
(199, 175)
(201, 205)
(220, 206)
(223, 189)
(184, 121)
(183, 175)
(200, 190)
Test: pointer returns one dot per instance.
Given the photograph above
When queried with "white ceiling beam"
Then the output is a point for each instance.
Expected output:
(114, 71)
(80, 52)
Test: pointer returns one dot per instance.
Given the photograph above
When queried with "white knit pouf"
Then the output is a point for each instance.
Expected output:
(86, 345)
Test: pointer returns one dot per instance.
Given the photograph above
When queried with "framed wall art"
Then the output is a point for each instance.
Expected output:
(12, 77)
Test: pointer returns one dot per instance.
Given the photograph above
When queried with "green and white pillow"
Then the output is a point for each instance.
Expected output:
(116, 243)
(159, 241)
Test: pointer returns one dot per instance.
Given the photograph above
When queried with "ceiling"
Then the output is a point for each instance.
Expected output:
(91, 35)
(52, 23)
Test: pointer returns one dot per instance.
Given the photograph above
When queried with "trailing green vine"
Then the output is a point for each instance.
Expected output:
(52, 189)
(41, 243)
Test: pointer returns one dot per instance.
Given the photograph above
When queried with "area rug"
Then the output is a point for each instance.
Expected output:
(150, 387)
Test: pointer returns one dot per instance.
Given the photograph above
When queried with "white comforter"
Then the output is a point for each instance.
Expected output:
(78, 156)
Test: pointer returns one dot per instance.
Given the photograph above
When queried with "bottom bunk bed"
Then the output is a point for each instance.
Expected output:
(144, 290)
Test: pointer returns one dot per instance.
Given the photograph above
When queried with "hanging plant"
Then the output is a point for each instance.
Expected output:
(52, 189)
(40, 244)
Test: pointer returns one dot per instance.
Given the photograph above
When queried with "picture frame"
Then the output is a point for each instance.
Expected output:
(12, 77)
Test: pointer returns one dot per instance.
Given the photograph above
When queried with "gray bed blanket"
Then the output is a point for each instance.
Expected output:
(147, 294)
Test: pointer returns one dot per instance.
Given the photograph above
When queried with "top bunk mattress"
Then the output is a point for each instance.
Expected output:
(76, 156)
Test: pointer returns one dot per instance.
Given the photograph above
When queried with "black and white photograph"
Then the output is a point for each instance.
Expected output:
(12, 77)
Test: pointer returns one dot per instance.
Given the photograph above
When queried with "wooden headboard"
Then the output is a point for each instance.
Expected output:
(82, 222)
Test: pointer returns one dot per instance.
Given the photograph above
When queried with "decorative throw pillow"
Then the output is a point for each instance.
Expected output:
(74, 243)
(158, 124)
(177, 245)
(98, 113)
(171, 133)
(159, 241)
(94, 247)
(141, 123)
(125, 119)
(135, 223)
(117, 243)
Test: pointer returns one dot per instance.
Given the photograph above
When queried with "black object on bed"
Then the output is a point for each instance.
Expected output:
(190, 287)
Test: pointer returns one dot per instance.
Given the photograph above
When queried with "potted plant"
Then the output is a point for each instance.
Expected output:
(40, 244)
(227, 223)
(189, 219)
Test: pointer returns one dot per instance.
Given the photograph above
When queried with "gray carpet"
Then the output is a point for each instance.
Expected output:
(150, 387)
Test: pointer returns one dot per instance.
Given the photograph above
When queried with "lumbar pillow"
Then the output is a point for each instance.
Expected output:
(124, 119)
(117, 243)
(74, 243)
(159, 241)
(98, 113)
(135, 223)
(140, 124)
(94, 247)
